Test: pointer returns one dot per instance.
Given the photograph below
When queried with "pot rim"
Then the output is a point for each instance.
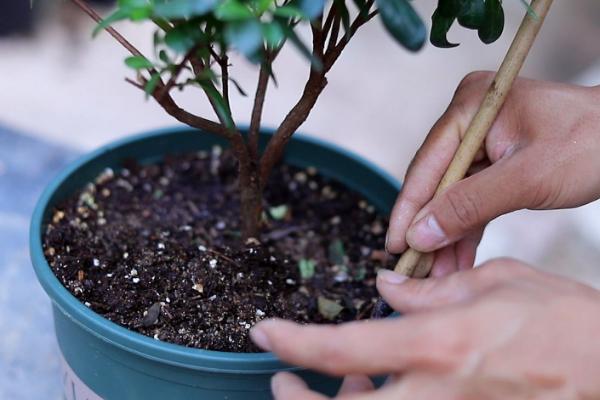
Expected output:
(134, 342)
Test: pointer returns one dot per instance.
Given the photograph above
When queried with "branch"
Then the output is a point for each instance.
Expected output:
(329, 19)
(112, 31)
(224, 62)
(198, 67)
(335, 31)
(165, 100)
(312, 90)
(296, 117)
(318, 38)
(332, 54)
(298, 114)
(161, 93)
(178, 68)
(257, 110)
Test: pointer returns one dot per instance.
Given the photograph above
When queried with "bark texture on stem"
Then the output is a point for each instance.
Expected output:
(296, 117)
(257, 110)
(315, 85)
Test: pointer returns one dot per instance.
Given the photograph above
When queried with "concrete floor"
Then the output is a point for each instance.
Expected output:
(66, 89)
(29, 358)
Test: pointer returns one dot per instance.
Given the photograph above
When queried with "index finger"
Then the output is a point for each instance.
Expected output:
(368, 347)
(424, 174)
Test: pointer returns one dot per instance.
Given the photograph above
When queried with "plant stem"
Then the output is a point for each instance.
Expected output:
(111, 31)
(161, 95)
(296, 117)
(315, 85)
(257, 110)
(224, 63)
(253, 169)
(250, 190)
(335, 31)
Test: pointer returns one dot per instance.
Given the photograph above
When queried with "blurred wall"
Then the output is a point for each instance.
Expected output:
(381, 100)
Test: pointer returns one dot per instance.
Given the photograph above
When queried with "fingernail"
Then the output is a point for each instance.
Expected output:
(276, 385)
(387, 239)
(260, 338)
(426, 234)
(391, 277)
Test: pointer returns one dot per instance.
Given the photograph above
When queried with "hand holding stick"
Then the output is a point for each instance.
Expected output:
(414, 263)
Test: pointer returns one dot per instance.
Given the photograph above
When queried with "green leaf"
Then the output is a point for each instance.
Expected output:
(288, 11)
(138, 62)
(273, 34)
(164, 57)
(221, 106)
(307, 268)
(184, 36)
(360, 273)
(119, 15)
(328, 308)
(279, 212)
(179, 41)
(151, 84)
(132, 3)
(451, 8)
(233, 10)
(245, 36)
(162, 23)
(140, 14)
(263, 5)
(493, 26)
(473, 16)
(173, 9)
(439, 29)
(311, 8)
(336, 252)
(238, 87)
(403, 23)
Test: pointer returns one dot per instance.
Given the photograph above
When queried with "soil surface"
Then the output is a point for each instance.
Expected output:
(156, 249)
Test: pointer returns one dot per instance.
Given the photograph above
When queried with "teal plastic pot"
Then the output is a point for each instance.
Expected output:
(104, 360)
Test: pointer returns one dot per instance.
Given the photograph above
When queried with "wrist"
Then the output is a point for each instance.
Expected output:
(595, 90)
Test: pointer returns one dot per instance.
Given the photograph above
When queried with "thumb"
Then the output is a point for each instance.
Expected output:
(470, 204)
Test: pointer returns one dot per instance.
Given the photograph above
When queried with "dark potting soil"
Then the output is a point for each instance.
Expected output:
(156, 249)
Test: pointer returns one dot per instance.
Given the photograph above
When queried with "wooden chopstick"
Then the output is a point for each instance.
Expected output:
(414, 263)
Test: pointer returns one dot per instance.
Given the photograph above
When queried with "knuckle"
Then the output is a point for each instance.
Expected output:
(334, 354)
(475, 77)
(503, 267)
(416, 292)
(464, 207)
(540, 193)
(465, 101)
(453, 348)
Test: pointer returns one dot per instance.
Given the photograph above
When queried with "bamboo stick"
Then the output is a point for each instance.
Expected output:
(413, 263)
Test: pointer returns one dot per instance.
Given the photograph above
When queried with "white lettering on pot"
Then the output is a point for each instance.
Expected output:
(73, 387)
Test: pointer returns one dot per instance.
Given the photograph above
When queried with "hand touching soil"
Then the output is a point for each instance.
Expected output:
(502, 331)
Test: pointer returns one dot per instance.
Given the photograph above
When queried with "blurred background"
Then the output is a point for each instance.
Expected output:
(62, 93)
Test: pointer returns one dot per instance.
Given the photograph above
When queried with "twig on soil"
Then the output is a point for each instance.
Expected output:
(223, 256)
